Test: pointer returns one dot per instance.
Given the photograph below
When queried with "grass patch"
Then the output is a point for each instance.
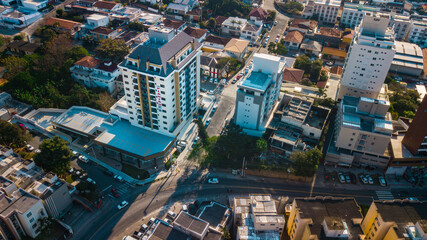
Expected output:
(135, 172)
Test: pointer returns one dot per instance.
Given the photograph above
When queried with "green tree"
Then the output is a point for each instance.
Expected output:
(55, 155)
(13, 65)
(304, 63)
(139, 27)
(271, 15)
(315, 69)
(12, 135)
(59, 13)
(203, 134)
(89, 42)
(272, 47)
(305, 164)
(211, 23)
(261, 145)
(281, 49)
(294, 8)
(320, 93)
(112, 49)
(22, 80)
(326, 102)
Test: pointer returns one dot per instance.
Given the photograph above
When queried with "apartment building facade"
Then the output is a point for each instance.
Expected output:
(258, 93)
(233, 26)
(162, 81)
(369, 58)
(415, 138)
(418, 32)
(326, 10)
(353, 13)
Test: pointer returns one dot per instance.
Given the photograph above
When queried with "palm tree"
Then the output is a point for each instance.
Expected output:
(320, 92)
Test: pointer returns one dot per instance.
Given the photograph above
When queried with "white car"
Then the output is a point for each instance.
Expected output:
(38, 151)
(76, 154)
(119, 178)
(341, 178)
(363, 179)
(213, 180)
(171, 214)
(30, 148)
(184, 208)
(122, 205)
(91, 181)
(370, 180)
(83, 159)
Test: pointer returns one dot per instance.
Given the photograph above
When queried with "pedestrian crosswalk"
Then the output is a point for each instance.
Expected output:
(384, 195)
(123, 187)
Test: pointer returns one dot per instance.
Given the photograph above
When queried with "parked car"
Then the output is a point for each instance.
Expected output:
(347, 179)
(238, 77)
(30, 148)
(275, 23)
(22, 126)
(370, 180)
(115, 192)
(341, 178)
(382, 181)
(207, 122)
(91, 180)
(122, 205)
(214, 108)
(363, 179)
(119, 178)
(329, 63)
(213, 180)
(83, 159)
(167, 220)
(171, 214)
(76, 154)
(38, 151)
(234, 81)
(144, 227)
(184, 208)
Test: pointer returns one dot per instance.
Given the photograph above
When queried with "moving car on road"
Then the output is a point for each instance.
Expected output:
(119, 178)
(213, 180)
(122, 205)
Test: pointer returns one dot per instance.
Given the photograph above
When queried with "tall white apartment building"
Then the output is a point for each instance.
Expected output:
(369, 58)
(162, 81)
(418, 33)
(326, 10)
(401, 25)
(257, 94)
(353, 13)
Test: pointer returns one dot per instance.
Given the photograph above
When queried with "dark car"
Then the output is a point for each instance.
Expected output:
(234, 81)
(115, 193)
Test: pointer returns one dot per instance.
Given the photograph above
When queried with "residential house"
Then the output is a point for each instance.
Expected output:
(334, 53)
(195, 15)
(210, 67)
(63, 25)
(311, 47)
(125, 14)
(293, 75)
(22, 48)
(293, 40)
(149, 19)
(336, 72)
(325, 217)
(251, 32)
(303, 25)
(84, 3)
(104, 33)
(258, 15)
(233, 26)
(237, 48)
(18, 18)
(181, 7)
(93, 72)
(96, 20)
(21, 214)
(178, 26)
(106, 6)
(215, 43)
(34, 5)
(330, 37)
(256, 217)
(197, 33)
(219, 20)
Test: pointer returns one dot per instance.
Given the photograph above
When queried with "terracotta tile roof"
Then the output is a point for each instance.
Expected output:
(293, 75)
(304, 24)
(349, 34)
(195, 12)
(105, 5)
(334, 52)
(103, 30)
(336, 70)
(331, 32)
(425, 61)
(107, 66)
(217, 40)
(322, 84)
(63, 23)
(294, 36)
(259, 13)
(195, 32)
(236, 45)
(173, 23)
(88, 61)
(220, 20)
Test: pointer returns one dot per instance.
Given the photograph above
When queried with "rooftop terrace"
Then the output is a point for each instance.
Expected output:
(257, 81)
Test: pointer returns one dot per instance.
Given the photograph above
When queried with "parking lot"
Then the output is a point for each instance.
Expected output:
(354, 176)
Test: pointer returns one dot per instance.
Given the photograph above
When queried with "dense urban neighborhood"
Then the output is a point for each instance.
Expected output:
(214, 119)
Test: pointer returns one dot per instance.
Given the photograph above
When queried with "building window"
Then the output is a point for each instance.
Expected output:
(29, 215)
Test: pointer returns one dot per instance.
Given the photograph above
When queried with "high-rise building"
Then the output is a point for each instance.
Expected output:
(162, 80)
(257, 94)
(369, 58)
(415, 139)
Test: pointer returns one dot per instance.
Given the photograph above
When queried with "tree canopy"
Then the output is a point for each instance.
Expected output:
(403, 102)
(12, 135)
(305, 163)
(55, 155)
(311, 68)
(229, 8)
(112, 49)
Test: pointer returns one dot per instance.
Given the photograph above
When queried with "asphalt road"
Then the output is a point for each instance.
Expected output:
(282, 22)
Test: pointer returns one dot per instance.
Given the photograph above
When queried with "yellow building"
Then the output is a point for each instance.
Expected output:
(398, 219)
(324, 218)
